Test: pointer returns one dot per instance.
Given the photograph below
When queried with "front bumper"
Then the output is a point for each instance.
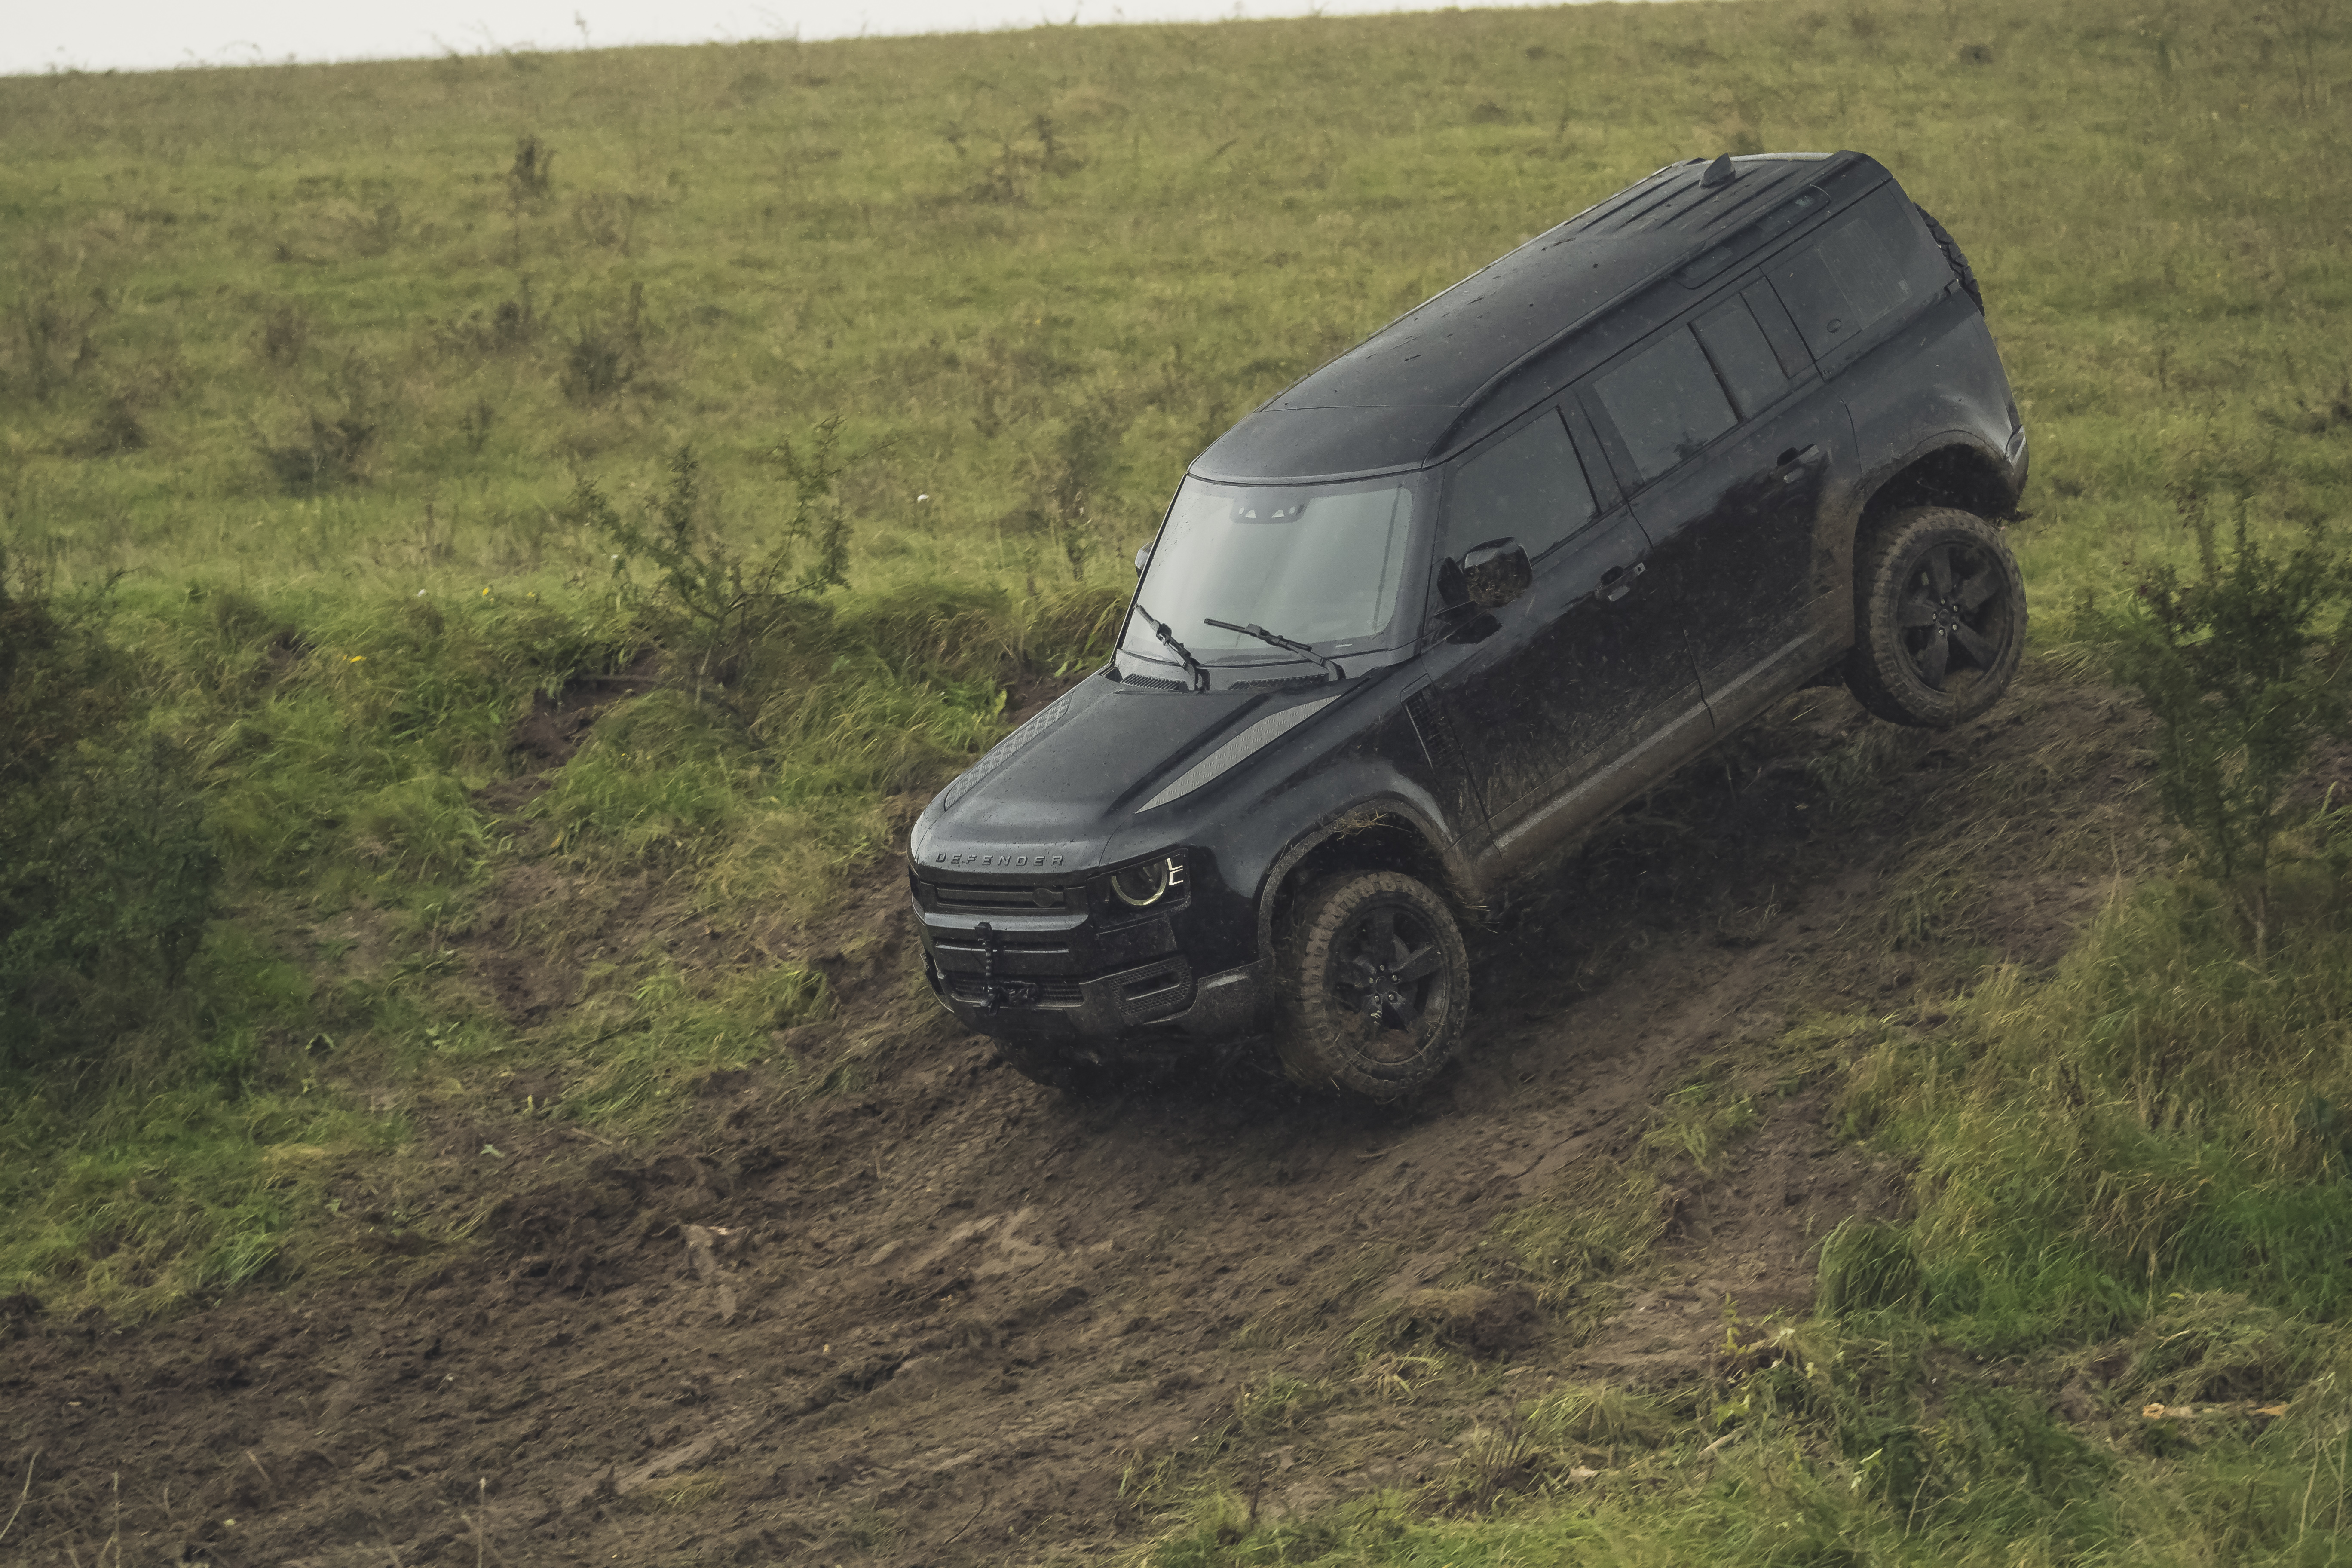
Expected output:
(1163, 996)
(1061, 959)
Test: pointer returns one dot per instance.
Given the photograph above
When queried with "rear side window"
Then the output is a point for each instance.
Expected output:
(1528, 486)
(1665, 403)
(1871, 263)
(1742, 356)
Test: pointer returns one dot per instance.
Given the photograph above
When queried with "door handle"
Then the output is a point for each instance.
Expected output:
(1618, 582)
(1794, 463)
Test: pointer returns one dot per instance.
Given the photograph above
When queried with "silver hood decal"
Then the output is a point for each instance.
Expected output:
(1254, 739)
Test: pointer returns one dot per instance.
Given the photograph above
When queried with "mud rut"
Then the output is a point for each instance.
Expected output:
(956, 1319)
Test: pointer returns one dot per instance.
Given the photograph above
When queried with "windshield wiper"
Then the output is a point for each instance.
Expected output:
(1279, 641)
(1192, 667)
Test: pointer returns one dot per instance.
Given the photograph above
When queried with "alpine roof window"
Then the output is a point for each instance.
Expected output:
(1718, 258)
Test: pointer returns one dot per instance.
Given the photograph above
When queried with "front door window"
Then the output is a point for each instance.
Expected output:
(1581, 667)
(1528, 487)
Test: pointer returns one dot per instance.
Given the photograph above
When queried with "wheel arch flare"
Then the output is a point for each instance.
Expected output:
(1381, 835)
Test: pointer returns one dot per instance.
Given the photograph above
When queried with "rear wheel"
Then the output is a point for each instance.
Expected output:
(1373, 983)
(1939, 618)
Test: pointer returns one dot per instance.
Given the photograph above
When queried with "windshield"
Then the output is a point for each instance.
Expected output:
(1320, 565)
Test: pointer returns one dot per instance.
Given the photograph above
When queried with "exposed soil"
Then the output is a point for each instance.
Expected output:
(953, 1318)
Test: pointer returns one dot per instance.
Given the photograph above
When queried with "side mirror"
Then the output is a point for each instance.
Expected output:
(1497, 572)
(1143, 559)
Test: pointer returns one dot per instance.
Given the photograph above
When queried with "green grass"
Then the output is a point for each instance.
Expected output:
(304, 374)
(1037, 338)
(2160, 1116)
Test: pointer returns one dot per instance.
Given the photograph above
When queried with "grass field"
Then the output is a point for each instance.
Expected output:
(341, 410)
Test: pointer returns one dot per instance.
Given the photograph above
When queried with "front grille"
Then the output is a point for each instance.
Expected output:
(967, 896)
(1053, 946)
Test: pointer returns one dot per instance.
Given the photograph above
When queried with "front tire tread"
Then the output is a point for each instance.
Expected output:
(1324, 1042)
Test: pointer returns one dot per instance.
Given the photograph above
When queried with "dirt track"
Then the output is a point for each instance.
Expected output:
(942, 1321)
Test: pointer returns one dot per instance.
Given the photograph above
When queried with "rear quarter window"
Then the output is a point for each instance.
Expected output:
(1871, 265)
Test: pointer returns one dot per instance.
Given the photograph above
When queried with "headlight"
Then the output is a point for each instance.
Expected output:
(1140, 887)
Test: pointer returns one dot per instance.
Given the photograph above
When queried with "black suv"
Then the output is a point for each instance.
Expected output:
(1418, 622)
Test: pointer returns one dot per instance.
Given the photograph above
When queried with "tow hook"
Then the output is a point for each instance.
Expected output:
(993, 992)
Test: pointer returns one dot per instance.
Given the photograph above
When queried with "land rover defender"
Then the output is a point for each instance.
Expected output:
(1418, 622)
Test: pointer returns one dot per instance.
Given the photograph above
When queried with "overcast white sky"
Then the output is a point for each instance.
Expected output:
(145, 35)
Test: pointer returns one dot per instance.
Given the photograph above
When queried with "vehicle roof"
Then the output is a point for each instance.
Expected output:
(1516, 330)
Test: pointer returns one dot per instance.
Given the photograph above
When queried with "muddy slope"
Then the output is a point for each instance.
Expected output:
(953, 1318)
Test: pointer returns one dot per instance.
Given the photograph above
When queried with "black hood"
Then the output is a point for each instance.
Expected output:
(1093, 778)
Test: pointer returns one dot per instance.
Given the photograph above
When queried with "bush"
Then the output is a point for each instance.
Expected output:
(58, 682)
(711, 603)
(106, 871)
(2243, 678)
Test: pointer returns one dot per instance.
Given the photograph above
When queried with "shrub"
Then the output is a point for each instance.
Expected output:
(533, 170)
(106, 871)
(711, 601)
(334, 452)
(2243, 678)
(603, 359)
(330, 457)
(57, 681)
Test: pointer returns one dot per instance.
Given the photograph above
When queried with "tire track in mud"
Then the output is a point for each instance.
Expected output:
(954, 1318)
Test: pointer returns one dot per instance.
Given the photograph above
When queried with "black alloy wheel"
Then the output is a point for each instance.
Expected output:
(1373, 983)
(1939, 613)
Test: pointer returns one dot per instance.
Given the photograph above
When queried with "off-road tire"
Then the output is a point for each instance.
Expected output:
(1359, 942)
(1939, 618)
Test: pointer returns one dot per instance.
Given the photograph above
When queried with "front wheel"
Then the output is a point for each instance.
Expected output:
(1373, 983)
(1939, 618)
